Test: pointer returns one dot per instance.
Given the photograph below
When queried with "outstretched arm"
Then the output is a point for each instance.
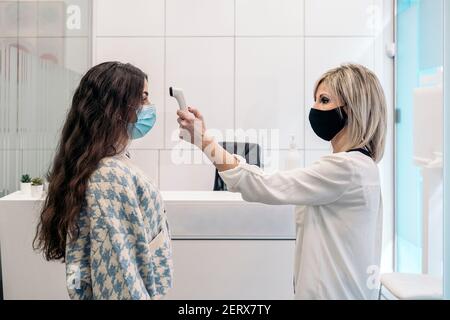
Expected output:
(193, 130)
(322, 183)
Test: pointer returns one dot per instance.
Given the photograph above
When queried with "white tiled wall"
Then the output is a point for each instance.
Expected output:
(269, 18)
(203, 67)
(246, 64)
(269, 86)
(135, 18)
(343, 18)
(180, 171)
(200, 18)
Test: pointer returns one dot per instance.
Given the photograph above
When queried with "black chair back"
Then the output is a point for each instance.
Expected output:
(250, 151)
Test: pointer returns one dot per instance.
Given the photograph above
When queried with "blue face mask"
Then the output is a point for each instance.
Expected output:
(146, 119)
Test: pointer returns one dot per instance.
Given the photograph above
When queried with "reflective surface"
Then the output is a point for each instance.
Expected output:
(447, 153)
(44, 49)
(419, 137)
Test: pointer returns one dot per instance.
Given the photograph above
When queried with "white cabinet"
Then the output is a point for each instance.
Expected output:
(223, 248)
(233, 269)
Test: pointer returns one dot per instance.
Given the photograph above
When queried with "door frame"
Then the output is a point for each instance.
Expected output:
(446, 192)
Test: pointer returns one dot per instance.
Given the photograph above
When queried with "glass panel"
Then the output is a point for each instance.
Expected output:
(447, 151)
(44, 50)
(419, 137)
(10, 155)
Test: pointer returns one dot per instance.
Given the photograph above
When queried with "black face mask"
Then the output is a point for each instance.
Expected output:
(327, 124)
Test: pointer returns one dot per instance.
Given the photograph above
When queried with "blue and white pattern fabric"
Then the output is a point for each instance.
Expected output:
(123, 250)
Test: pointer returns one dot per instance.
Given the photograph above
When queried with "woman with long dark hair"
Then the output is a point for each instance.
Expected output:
(102, 216)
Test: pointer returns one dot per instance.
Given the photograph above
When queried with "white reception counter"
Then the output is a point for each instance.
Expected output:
(224, 248)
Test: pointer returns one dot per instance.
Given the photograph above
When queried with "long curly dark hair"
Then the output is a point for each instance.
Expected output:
(96, 127)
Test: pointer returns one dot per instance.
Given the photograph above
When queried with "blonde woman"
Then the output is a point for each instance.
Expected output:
(338, 198)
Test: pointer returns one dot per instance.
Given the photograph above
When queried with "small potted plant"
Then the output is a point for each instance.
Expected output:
(25, 184)
(37, 187)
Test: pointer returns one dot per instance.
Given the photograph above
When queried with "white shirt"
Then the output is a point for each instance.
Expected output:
(338, 221)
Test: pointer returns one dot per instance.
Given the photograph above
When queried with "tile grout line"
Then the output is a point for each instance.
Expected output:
(217, 36)
(164, 94)
(159, 169)
(191, 149)
(17, 88)
(304, 83)
(234, 71)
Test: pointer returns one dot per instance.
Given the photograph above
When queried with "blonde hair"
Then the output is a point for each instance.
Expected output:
(361, 91)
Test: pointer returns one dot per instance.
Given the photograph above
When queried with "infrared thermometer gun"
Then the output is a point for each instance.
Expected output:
(177, 93)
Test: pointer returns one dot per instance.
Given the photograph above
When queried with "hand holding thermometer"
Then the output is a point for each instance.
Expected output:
(177, 93)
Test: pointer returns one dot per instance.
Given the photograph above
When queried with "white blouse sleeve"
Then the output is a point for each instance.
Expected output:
(323, 182)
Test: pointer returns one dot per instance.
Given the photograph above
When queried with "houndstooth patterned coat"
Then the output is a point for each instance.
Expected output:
(123, 250)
